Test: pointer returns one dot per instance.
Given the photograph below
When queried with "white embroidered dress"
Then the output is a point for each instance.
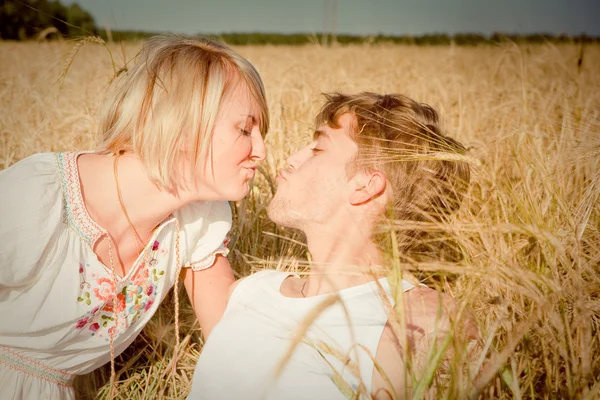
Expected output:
(56, 297)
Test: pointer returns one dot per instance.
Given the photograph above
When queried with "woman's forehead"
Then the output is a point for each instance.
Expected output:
(239, 103)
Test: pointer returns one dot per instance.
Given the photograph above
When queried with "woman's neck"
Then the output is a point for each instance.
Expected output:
(144, 203)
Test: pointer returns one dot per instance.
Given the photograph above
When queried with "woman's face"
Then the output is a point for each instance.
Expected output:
(236, 147)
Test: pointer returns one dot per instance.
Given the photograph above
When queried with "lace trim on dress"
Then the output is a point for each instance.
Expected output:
(75, 213)
(209, 260)
(31, 367)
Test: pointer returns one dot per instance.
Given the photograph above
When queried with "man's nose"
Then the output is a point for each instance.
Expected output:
(295, 160)
(292, 162)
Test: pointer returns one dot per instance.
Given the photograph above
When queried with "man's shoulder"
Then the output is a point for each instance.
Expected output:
(434, 311)
(424, 302)
(259, 277)
(430, 318)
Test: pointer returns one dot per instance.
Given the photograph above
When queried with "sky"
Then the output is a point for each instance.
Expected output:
(359, 17)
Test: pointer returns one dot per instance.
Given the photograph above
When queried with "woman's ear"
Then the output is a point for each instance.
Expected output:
(368, 186)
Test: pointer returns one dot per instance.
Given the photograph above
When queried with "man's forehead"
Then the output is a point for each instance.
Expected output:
(341, 141)
(345, 122)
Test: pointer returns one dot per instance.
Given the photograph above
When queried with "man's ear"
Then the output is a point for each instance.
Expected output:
(368, 186)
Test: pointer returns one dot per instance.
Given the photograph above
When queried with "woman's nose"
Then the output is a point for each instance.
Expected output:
(259, 150)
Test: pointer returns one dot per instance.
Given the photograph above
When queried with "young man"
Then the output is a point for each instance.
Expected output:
(334, 333)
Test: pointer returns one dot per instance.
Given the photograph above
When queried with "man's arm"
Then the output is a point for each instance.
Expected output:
(388, 373)
(429, 320)
(208, 291)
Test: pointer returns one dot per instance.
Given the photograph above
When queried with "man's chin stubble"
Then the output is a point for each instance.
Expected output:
(278, 212)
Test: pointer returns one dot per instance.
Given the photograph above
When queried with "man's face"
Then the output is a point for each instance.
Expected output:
(314, 186)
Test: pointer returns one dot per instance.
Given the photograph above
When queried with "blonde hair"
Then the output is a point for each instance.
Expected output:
(426, 171)
(169, 101)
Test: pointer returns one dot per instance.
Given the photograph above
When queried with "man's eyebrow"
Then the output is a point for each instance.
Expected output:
(320, 133)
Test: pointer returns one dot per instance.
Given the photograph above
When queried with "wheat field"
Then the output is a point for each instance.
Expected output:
(528, 231)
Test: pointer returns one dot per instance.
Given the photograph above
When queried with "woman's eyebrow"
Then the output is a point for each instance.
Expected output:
(250, 117)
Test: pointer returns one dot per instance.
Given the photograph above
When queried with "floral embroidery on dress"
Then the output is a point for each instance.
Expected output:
(105, 289)
(135, 296)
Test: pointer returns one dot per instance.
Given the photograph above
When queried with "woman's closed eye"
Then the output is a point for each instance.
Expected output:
(316, 150)
(245, 132)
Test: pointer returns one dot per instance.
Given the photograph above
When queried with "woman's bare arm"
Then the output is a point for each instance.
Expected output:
(208, 291)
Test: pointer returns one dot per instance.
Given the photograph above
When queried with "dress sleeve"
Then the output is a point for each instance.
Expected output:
(31, 216)
(205, 226)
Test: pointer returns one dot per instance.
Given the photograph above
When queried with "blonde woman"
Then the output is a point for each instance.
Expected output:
(93, 241)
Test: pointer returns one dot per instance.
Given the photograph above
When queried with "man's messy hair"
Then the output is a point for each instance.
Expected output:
(427, 172)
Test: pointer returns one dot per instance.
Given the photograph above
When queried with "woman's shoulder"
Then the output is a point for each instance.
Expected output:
(205, 226)
(199, 218)
(243, 288)
(39, 163)
(205, 212)
(32, 179)
(46, 168)
(31, 211)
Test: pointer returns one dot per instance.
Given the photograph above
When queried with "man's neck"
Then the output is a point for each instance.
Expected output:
(342, 257)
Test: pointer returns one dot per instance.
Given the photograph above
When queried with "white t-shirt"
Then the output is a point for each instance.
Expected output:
(241, 357)
(56, 297)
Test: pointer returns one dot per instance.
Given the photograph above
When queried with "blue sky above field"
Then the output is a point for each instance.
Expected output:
(361, 17)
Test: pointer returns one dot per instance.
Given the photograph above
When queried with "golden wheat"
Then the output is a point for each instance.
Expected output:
(528, 234)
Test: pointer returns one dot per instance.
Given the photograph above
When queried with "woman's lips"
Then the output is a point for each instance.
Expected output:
(251, 172)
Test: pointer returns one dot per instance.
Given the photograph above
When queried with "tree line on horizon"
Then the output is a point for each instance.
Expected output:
(47, 19)
(28, 19)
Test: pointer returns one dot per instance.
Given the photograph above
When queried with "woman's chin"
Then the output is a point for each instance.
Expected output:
(241, 194)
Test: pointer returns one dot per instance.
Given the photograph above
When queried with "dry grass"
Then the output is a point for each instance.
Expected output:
(528, 233)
